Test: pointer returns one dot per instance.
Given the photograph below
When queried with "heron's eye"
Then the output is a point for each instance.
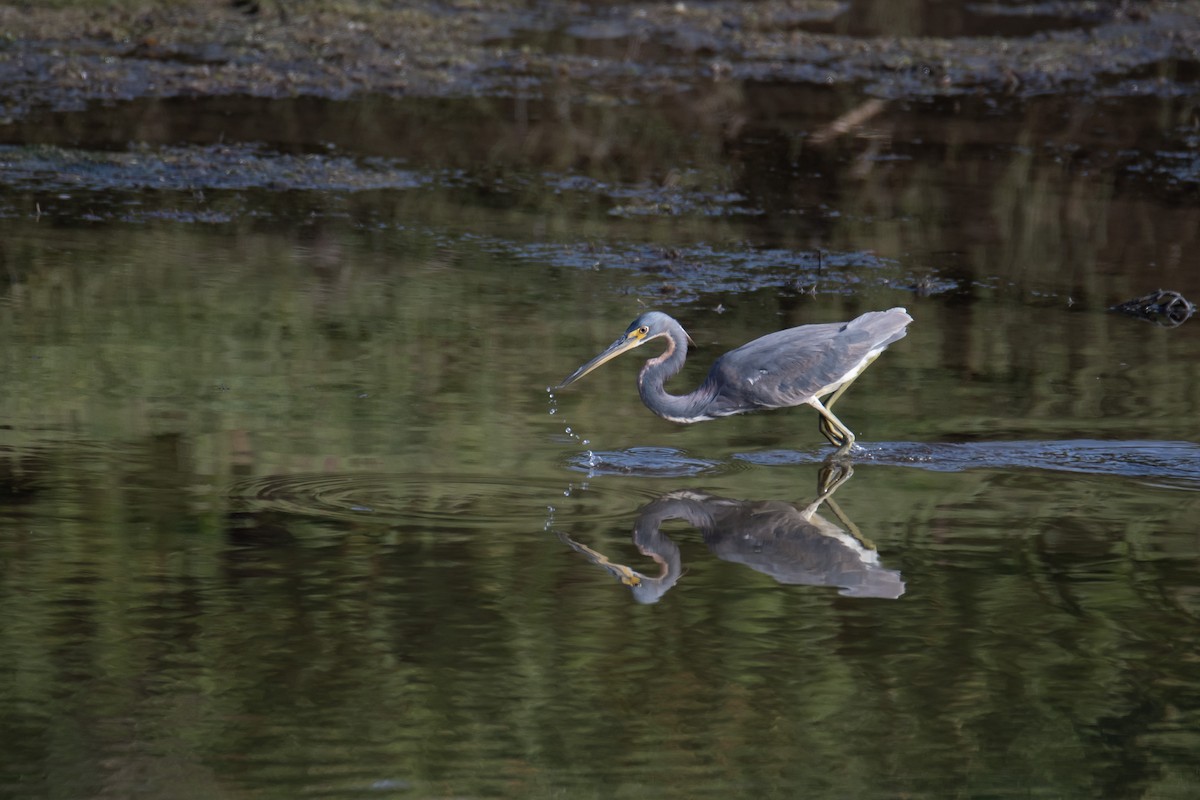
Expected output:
(642, 331)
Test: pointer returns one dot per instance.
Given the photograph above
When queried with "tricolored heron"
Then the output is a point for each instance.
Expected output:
(787, 368)
(793, 545)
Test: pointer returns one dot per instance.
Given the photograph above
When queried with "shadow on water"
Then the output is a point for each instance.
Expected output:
(792, 544)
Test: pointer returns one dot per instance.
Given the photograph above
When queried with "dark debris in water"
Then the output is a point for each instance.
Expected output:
(690, 193)
(234, 167)
(1162, 307)
(682, 274)
(1178, 170)
(240, 167)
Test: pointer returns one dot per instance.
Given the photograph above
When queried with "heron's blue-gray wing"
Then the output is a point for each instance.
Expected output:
(792, 366)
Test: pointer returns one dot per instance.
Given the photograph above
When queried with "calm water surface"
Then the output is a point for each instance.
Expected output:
(286, 508)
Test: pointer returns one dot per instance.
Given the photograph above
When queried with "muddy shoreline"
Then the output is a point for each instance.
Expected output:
(65, 58)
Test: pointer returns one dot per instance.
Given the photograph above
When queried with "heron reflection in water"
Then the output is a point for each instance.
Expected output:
(787, 368)
(793, 545)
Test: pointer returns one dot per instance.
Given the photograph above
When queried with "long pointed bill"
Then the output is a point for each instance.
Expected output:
(615, 349)
(627, 576)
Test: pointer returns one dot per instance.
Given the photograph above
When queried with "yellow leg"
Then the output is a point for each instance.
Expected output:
(832, 427)
(833, 474)
(827, 429)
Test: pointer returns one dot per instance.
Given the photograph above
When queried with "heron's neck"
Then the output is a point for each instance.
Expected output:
(695, 508)
(657, 371)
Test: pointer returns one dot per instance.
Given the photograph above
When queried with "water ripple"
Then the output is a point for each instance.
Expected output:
(432, 500)
(1173, 464)
(650, 462)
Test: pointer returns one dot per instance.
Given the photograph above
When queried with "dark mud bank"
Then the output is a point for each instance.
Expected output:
(62, 58)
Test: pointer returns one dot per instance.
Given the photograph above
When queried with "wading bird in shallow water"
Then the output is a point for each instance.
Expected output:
(788, 368)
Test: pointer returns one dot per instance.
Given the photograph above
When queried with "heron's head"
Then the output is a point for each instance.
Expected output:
(648, 326)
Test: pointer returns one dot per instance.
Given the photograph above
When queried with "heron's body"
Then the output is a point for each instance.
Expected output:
(792, 544)
(796, 366)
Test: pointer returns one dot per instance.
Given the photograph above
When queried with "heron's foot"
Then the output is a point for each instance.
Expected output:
(833, 474)
(842, 440)
(836, 437)
(844, 455)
